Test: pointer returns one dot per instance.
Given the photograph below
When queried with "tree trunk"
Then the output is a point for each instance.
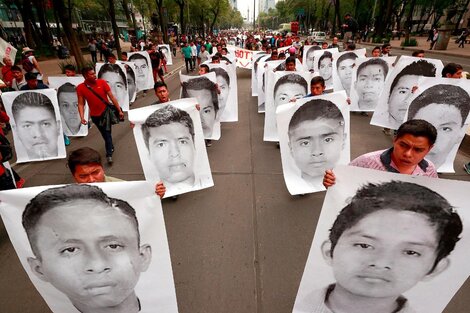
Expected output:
(409, 20)
(26, 12)
(161, 19)
(66, 22)
(462, 12)
(181, 6)
(125, 8)
(56, 18)
(112, 15)
(45, 33)
(337, 20)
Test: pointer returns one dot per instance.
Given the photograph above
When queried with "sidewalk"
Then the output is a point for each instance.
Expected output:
(452, 48)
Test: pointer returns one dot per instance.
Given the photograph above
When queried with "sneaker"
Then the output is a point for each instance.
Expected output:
(208, 142)
(109, 160)
(66, 140)
(466, 167)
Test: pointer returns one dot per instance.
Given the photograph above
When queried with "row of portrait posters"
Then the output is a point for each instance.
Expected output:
(110, 255)
(204, 89)
(171, 146)
(36, 124)
(313, 137)
(68, 104)
(387, 243)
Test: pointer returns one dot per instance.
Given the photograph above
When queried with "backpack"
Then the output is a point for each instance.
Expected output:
(28, 66)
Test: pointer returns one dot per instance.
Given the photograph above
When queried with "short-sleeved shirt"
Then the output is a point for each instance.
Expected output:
(187, 52)
(96, 106)
(382, 160)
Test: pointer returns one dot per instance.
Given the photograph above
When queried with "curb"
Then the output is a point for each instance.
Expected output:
(438, 52)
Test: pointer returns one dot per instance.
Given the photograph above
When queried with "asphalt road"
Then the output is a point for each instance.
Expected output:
(238, 247)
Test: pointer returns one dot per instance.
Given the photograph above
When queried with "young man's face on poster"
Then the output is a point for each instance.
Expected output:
(172, 151)
(369, 85)
(399, 96)
(207, 111)
(94, 262)
(68, 105)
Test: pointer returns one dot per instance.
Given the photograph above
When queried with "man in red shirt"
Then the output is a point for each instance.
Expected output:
(7, 75)
(96, 92)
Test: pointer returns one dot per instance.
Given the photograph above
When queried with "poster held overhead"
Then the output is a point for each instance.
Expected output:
(167, 53)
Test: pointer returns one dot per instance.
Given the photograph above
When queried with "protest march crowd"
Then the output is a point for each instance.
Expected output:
(306, 89)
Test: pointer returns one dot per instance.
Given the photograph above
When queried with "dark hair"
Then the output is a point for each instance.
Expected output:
(30, 76)
(159, 84)
(31, 100)
(351, 46)
(290, 59)
(130, 73)
(205, 67)
(385, 45)
(415, 53)
(113, 68)
(83, 156)
(346, 56)
(67, 87)
(418, 128)
(313, 48)
(260, 54)
(70, 67)
(111, 56)
(16, 68)
(420, 68)
(373, 61)
(450, 68)
(221, 72)
(138, 56)
(164, 116)
(326, 54)
(291, 79)
(54, 197)
(317, 80)
(316, 109)
(200, 83)
(377, 48)
(124, 53)
(442, 94)
(402, 196)
(86, 69)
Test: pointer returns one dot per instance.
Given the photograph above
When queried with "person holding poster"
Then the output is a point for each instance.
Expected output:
(413, 141)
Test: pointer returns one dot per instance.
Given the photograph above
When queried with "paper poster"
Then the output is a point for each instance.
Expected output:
(368, 81)
(6, 49)
(68, 104)
(93, 248)
(243, 56)
(388, 242)
(324, 64)
(343, 66)
(398, 89)
(282, 88)
(445, 103)
(131, 80)
(36, 124)
(263, 76)
(143, 69)
(308, 58)
(171, 146)
(226, 76)
(254, 71)
(167, 53)
(313, 137)
(204, 89)
(116, 77)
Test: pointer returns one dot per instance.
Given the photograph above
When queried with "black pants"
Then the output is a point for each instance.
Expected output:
(94, 59)
(108, 138)
(190, 62)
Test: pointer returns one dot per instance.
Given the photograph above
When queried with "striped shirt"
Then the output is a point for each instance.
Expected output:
(382, 161)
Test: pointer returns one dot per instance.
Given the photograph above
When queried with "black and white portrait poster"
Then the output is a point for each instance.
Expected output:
(204, 89)
(93, 248)
(131, 80)
(226, 76)
(254, 71)
(398, 90)
(391, 242)
(143, 69)
(368, 81)
(324, 64)
(283, 87)
(36, 124)
(171, 146)
(313, 137)
(343, 65)
(116, 77)
(167, 53)
(68, 104)
(308, 58)
(445, 103)
(263, 76)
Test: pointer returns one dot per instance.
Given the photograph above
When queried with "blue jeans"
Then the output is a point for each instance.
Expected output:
(108, 139)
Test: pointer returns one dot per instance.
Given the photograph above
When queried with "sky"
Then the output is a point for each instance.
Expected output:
(243, 6)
